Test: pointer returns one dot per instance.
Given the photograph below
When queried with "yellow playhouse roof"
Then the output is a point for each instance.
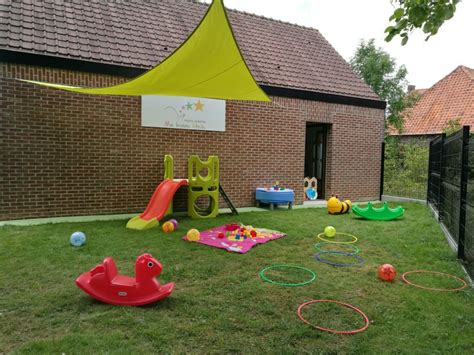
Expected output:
(208, 64)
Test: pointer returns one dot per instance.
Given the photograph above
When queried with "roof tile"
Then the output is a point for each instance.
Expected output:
(451, 98)
(142, 33)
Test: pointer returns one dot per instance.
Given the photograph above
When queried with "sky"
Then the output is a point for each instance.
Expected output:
(345, 22)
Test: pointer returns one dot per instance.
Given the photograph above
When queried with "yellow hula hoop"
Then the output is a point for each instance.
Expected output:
(354, 238)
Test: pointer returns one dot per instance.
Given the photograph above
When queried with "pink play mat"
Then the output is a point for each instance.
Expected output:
(237, 238)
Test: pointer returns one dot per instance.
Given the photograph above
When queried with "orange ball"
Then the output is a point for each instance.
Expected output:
(168, 227)
(387, 272)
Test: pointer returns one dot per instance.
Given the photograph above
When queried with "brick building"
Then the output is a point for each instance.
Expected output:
(66, 153)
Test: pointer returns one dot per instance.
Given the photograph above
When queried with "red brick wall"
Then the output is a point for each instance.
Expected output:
(71, 154)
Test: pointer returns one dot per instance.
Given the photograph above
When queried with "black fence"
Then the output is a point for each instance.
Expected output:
(451, 189)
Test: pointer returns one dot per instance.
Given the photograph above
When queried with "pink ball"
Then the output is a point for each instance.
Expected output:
(386, 272)
(175, 223)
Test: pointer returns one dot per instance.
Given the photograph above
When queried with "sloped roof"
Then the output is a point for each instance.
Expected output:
(140, 34)
(451, 98)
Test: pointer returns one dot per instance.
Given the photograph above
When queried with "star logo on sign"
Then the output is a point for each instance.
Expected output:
(189, 106)
(199, 105)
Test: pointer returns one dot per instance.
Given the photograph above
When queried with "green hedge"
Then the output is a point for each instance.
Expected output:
(406, 168)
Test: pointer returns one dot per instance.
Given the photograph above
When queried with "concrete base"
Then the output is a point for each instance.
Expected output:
(73, 219)
(401, 199)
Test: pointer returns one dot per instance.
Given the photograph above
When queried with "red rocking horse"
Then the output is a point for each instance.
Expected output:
(105, 284)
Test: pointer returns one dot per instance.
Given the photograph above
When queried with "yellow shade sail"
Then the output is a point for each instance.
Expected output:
(208, 64)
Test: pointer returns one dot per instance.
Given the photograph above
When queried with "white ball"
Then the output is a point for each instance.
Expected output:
(78, 239)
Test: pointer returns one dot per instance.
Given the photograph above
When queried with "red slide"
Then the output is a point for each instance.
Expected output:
(158, 205)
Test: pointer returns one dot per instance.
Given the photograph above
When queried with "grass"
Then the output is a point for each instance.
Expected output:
(220, 305)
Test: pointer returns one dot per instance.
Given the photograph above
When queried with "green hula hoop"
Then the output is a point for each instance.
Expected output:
(266, 279)
(354, 238)
(355, 250)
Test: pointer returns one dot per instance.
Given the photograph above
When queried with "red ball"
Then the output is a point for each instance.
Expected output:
(387, 272)
(220, 235)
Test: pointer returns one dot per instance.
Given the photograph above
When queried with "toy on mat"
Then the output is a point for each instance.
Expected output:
(232, 227)
(105, 284)
(193, 235)
(386, 272)
(336, 206)
(242, 233)
(310, 188)
(383, 213)
(330, 231)
(234, 237)
(77, 239)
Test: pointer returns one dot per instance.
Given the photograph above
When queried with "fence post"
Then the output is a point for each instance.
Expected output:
(382, 171)
(430, 162)
(463, 197)
(441, 178)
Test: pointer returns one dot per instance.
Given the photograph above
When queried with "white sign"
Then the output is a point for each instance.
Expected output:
(183, 113)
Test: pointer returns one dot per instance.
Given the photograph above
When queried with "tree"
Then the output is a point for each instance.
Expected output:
(429, 15)
(381, 73)
(452, 126)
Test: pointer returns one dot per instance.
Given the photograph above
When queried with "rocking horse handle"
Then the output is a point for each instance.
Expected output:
(147, 268)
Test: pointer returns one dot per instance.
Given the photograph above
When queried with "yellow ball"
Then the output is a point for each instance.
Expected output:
(168, 227)
(330, 231)
(193, 235)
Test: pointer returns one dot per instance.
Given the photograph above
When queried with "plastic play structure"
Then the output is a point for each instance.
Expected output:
(200, 186)
(161, 202)
(274, 197)
(336, 206)
(105, 284)
(310, 188)
(383, 213)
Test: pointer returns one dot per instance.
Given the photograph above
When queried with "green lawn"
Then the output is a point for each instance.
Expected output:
(220, 305)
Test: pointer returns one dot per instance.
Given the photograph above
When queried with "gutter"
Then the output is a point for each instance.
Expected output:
(84, 65)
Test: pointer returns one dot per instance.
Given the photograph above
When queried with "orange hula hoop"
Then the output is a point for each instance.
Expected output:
(357, 310)
(404, 278)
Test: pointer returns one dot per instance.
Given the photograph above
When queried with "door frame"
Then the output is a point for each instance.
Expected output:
(324, 128)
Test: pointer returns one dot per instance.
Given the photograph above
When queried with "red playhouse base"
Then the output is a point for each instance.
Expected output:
(105, 284)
